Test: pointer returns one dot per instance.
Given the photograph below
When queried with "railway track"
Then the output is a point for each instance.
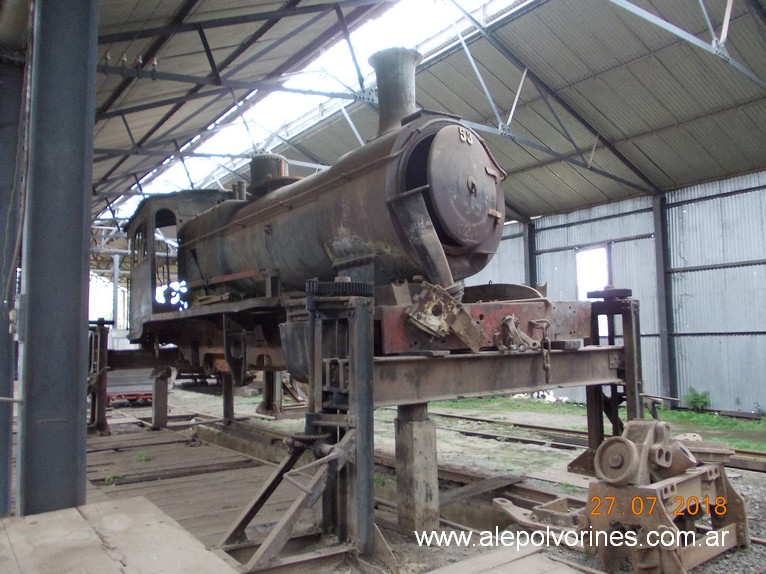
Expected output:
(572, 439)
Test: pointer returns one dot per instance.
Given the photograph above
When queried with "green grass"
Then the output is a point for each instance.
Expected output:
(711, 421)
(141, 456)
(503, 404)
(745, 444)
(722, 428)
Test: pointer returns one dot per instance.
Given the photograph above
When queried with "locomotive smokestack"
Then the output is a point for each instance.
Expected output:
(395, 72)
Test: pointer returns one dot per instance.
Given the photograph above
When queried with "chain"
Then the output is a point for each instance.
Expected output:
(545, 346)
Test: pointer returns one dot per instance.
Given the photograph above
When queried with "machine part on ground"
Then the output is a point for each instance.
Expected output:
(644, 453)
(646, 504)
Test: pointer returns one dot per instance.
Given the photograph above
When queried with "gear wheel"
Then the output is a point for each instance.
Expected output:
(610, 293)
(339, 288)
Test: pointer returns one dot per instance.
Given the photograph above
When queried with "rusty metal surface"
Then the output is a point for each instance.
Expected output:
(650, 486)
(457, 163)
(569, 320)
(406, 380)
(629, 509)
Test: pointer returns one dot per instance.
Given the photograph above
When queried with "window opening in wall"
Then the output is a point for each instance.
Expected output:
(169, 290)
(592, 275)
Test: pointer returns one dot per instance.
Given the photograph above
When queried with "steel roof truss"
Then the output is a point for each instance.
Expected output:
(717, 47)
(650, 188)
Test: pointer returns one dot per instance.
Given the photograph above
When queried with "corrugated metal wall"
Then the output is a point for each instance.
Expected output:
(717, 239)
(626, 229)
(507, 266)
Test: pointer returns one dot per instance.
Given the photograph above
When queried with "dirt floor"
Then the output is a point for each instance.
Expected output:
(487, 457)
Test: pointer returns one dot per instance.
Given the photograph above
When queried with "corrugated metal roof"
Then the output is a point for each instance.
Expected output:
(244, 51)
(678, 114)
(675, 114)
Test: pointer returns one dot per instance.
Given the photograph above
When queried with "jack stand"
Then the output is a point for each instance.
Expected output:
(339, 433)
(616, 304)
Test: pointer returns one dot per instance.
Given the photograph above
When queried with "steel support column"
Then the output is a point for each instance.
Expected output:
(53, 327)
(12, 81)
(668, 381)
(116, 290)
(530, 255)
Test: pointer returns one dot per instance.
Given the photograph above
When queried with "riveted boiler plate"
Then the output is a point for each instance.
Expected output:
(463, 195)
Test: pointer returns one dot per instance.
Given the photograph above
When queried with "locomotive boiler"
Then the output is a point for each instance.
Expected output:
(423, 198)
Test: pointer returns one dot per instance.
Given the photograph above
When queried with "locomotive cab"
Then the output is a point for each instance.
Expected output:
(155, 286)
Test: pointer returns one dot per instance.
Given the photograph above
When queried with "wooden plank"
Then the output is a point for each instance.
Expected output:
(201, 486)
(135, 443)
(165, 474)
(477, 488)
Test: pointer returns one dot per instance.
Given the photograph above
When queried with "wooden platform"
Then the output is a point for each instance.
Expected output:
(201, 486)
(111, 537)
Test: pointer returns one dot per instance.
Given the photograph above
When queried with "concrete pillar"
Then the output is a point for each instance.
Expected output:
(417, 481)
(53, 322)
(12, 82)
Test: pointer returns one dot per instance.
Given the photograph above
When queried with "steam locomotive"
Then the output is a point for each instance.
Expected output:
(422, 200)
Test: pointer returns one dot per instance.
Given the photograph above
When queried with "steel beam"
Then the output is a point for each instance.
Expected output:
(479, 77)
(530, 255)
(151, 51)
(544, 88)
(213, 80)
(284, 68)
(402, 380)
(505, 132)
(717, 47)
(53, 329)
(115, 289)
(217, 92)
(132, 35)
(12, 81)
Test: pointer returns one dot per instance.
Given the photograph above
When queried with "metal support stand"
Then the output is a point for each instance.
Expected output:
(97, 377)
(272, 394)
(615, 303)
(339, 434)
